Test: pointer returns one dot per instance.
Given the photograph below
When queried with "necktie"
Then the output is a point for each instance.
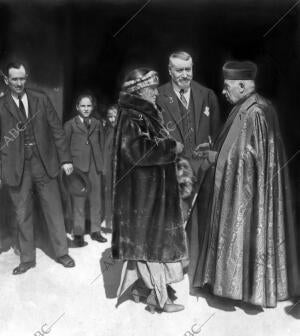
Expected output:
(21, 106)
(182, 98)
(87, 123)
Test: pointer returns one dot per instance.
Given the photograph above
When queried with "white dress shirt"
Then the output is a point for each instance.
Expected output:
(24, 101)
(82, 119)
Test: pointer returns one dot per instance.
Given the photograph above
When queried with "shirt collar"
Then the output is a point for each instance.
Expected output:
(177, 89)
(16, 97)
(82, 119)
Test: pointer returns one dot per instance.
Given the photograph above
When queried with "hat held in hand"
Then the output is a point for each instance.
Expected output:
(75, 184)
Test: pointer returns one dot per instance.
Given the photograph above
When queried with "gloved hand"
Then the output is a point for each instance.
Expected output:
(179, 147)
(68, 168)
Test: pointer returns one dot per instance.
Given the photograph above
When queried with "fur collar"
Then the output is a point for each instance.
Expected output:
(130, 101)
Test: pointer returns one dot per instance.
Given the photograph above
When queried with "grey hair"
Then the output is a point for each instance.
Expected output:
(249, 84)
(183, 55)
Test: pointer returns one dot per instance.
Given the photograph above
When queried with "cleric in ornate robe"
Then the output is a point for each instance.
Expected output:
(248, 251)
(148, 233)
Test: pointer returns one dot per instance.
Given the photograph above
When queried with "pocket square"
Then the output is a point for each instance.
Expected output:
(206, 111)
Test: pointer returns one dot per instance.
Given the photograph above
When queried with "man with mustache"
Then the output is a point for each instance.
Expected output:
(191, 114)
(249, 248)
(33, 150)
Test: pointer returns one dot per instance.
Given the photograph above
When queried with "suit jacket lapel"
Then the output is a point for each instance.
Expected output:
(12, 107)
(32, 106)
(198, 102)
(80, 124)
(173, 107)
(92, 126)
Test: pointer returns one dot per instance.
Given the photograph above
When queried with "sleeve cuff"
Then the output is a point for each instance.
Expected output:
(64, 162)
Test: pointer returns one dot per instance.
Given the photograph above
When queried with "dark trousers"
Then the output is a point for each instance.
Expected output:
(34, 175)
(108, 199)
(94, 199)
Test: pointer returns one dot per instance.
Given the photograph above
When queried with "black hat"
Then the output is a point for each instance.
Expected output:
(239, 70)
(75, 184)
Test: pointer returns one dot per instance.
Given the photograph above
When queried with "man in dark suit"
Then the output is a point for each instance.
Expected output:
(109, 130)
(33, 148)
(191, 114)
(190, 110)
(85, 138)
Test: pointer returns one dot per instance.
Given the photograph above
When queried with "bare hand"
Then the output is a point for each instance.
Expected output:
(210, 155)
(202, 146)
(68, 168)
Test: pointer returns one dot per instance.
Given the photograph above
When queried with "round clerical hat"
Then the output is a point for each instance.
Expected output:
(75, 184)
(235, 70)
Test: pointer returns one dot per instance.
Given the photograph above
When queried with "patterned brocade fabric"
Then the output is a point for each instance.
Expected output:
(244, 254)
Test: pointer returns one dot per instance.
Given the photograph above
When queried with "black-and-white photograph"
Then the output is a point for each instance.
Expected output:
(149, 167)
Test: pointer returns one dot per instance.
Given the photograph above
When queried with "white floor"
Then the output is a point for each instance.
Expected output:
(50, 299)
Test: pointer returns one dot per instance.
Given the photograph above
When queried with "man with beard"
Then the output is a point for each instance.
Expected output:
(191, 114)
(248, 252)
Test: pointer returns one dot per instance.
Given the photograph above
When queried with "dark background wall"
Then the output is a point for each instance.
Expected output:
(78, 45)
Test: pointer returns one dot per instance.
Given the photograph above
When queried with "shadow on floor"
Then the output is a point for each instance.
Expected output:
(230, 305)
(111, 271)
(225, 304)
(294, 309)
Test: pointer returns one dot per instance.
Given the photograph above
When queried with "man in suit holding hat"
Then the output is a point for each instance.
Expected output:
(33, 149)
(248, 252)
(85, 137)
(191, 114)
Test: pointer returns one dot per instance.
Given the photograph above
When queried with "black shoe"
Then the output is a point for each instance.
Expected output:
(23, 267)
(66, 261)
(78, 241)
(97, 236)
